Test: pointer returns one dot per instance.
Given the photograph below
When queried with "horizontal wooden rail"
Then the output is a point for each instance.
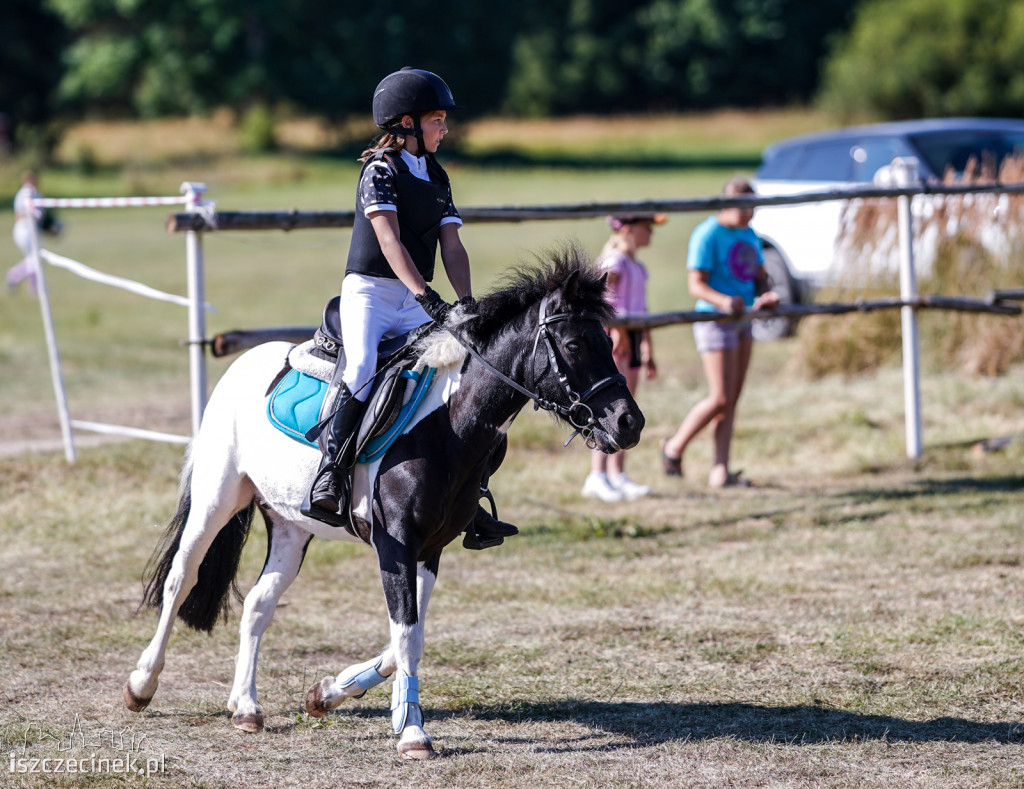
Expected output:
(302, 220)
(659, 319)
(235, 341)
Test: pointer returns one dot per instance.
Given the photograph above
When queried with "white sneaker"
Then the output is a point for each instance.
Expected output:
(597, 486)
(629, 489)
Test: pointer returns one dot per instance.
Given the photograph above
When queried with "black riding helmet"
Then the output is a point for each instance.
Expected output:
(411, 91)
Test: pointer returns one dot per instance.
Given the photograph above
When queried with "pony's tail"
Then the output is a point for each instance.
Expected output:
(209, 599)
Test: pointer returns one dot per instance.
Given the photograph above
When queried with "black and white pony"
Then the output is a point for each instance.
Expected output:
(539, 338)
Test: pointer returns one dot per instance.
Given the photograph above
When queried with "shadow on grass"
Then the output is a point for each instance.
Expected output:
(872, 500)
(958, 486)
(650, 724)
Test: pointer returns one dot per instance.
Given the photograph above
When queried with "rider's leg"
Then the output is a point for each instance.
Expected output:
(365, 313)
(330, 489)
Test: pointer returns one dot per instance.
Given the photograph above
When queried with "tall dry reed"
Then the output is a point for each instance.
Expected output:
(965, 245)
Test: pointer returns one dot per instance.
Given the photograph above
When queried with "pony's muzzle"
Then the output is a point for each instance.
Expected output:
(620, 429)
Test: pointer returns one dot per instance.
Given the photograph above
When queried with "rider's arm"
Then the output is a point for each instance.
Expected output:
(389, 236)
(455, 259)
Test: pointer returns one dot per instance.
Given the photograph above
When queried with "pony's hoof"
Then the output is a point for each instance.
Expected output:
(315, 706)
(416, 750)
(133, 702)
(250, 722)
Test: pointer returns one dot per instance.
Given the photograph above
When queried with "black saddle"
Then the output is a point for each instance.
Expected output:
(328, 341)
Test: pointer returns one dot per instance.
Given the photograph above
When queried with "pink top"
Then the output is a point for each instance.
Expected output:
(629, 294)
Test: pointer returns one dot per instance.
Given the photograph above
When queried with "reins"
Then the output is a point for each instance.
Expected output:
(577, 413)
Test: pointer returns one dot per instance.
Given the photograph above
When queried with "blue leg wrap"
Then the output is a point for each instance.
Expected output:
(363, 675)
(404, 692)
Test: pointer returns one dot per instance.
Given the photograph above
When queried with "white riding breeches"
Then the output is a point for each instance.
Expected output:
(371, 309)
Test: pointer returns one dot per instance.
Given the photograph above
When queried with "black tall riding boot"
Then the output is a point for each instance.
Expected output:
(486, 531)
(330, 490)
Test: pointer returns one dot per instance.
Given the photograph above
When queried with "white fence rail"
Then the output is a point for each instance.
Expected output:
(192, 196)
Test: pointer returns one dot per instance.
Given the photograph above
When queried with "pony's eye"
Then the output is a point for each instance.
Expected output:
(572, 346)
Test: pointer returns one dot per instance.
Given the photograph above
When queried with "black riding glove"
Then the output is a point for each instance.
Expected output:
(436, 307)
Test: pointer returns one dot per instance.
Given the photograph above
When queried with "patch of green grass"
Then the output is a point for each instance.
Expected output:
(592, 527)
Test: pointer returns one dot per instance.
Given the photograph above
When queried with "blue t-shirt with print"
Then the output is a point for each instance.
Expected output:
(730, 255)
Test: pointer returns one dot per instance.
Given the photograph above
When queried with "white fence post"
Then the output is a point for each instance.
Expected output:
(51, 342)
(197, 298)
(906, 175)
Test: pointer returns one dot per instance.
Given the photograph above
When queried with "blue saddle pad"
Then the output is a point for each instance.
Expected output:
(294, 405)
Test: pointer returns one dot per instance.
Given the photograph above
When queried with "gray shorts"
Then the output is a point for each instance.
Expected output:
(720, 336)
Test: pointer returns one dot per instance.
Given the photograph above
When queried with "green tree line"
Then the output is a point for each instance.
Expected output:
(525, 57)
(150, 58)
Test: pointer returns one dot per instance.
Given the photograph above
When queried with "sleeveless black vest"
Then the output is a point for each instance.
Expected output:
(421, 206)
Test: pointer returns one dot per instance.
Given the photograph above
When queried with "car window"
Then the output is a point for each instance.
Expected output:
(780, 164)
(826, 161)
(940, 150)
(872, 153)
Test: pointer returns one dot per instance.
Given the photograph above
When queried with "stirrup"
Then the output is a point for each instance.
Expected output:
(338, 519)
(473, 541)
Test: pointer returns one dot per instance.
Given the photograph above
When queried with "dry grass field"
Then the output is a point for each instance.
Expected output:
(852, 620)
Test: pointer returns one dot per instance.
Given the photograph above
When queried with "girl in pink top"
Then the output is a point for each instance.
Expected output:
(627, 292)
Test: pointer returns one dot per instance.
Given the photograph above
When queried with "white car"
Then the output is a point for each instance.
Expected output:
(800, 240)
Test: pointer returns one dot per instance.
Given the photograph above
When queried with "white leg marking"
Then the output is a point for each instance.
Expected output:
(407, 644)
(286, 550)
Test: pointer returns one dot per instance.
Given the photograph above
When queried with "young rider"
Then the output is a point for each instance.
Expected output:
(404, 211)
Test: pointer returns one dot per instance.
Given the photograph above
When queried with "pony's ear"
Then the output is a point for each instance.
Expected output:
(571, 286)
(603, 282)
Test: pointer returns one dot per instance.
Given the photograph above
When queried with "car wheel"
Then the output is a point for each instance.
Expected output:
(772, 329)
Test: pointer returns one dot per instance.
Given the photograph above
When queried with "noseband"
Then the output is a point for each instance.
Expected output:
(577, 413)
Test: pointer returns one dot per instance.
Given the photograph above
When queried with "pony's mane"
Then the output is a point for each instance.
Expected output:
(526, 284)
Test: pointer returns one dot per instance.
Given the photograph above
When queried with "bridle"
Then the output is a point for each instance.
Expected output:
(577, 413)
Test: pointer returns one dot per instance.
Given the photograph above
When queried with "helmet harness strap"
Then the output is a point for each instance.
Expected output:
(416, 131)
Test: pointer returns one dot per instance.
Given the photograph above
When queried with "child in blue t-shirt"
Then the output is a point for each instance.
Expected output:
(726, 275)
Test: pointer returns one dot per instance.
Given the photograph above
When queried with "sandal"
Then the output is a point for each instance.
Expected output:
(673, 467)
(733, 480)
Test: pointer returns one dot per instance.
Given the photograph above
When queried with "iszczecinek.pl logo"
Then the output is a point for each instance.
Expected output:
(77, 751)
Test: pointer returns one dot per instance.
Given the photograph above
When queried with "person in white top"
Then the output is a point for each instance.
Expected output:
(632, 349)
(25, 215)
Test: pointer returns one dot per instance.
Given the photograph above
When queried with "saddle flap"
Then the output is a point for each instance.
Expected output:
(383, 407)
(397, 408)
